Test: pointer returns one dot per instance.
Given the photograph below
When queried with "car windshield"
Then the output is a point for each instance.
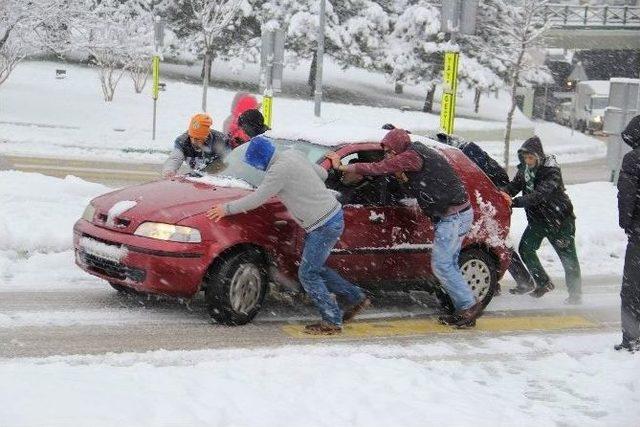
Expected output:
(599, 103)
(235, 167)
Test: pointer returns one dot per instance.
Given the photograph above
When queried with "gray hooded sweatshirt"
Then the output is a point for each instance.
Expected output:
(300, 186)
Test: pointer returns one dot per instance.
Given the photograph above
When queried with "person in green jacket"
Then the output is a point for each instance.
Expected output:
(549, 215)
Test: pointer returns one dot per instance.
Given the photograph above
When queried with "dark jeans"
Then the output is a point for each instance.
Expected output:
(563, 241)
(630, 293)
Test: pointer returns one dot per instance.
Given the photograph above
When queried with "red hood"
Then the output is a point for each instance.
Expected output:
(169, 201)
(397, 139)
(245, 103)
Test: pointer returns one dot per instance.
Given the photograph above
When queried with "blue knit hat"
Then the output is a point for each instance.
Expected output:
(259, 152)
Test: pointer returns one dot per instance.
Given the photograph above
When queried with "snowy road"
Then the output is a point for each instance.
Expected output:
(99, 320)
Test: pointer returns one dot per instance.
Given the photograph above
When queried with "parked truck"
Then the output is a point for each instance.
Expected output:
(591, 98)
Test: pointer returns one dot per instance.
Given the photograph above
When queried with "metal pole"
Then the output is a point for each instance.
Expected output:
(319, 56)
(155, 104)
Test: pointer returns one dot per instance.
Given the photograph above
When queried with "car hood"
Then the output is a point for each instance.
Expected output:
(169, 201)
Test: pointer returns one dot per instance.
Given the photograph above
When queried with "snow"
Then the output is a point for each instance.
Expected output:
(567, 146)
(102, 250)
(118, 209)
(36, 247)
(600, 87)
(222, 181)
(38, 212)
(528, 380)
(44, 116)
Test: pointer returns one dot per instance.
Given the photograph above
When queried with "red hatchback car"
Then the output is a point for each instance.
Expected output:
(155, 237)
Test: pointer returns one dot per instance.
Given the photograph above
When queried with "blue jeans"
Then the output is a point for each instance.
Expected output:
(449, 234)
(318, 280)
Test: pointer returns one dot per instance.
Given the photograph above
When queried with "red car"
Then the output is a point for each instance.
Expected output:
(155, 237)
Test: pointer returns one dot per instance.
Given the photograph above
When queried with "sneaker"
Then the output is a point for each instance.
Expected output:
(355, 309)
(573, 300)
(322, 328)
(541, 290)
(520, 289)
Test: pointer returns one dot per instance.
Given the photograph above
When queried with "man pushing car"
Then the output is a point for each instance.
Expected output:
(443, 198)
(300, 186)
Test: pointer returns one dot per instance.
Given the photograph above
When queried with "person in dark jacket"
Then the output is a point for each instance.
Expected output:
(442, 196)
(500, 178)
(549, 215)
(199, 147)
(629, 219)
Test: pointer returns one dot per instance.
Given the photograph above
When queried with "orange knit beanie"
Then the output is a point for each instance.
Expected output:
(199, 126)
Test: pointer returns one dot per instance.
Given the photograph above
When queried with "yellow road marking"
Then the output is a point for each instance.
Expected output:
(393, 328)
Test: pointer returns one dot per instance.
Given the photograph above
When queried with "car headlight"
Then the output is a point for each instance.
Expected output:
(89, 212)
(597, 119)
(174, 233)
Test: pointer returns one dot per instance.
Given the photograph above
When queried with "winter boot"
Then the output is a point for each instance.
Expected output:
(464, 319)
(519, 290)
(541, 290)
(632, 346)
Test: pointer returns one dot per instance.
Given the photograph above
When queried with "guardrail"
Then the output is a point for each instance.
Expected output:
(564, 16)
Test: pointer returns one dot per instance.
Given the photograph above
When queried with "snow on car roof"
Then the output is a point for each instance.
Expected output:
(331, 135)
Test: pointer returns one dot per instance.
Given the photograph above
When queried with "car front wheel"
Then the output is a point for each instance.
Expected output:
(236, 287)
(479, 270)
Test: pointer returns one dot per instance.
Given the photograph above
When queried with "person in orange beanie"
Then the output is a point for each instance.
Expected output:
(199, 146)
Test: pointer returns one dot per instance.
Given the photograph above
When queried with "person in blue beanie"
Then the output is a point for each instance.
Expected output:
(300, 187)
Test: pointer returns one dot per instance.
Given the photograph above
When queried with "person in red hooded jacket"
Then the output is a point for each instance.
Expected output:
(241, 103)
(441, 196)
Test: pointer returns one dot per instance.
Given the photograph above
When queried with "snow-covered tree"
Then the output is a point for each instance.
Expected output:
(508, 31)
(24, 30)
(414, 49)
(354, 30)
(211, 19)
(115, 35)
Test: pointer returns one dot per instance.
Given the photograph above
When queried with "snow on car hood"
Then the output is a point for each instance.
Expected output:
(168, 200)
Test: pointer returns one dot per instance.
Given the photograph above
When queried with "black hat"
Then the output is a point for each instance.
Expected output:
(252, 122)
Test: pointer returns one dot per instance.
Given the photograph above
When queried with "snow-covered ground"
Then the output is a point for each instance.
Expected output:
(528, 380)
(43, 116)
(36, 237)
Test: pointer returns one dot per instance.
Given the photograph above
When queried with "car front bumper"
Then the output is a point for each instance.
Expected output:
(144, 264)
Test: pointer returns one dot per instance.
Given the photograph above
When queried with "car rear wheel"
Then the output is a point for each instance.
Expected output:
(236, 287)
(479, 270)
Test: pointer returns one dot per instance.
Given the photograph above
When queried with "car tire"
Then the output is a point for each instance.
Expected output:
(479, 269)
(235, 288)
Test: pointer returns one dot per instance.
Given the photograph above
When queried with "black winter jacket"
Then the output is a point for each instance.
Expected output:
(436, 186)
(548, 204)
(628, 182)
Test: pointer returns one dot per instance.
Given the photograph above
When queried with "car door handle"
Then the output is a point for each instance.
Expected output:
(280, 223)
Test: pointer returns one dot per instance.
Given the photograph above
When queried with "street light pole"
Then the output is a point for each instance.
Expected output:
(319, 57)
